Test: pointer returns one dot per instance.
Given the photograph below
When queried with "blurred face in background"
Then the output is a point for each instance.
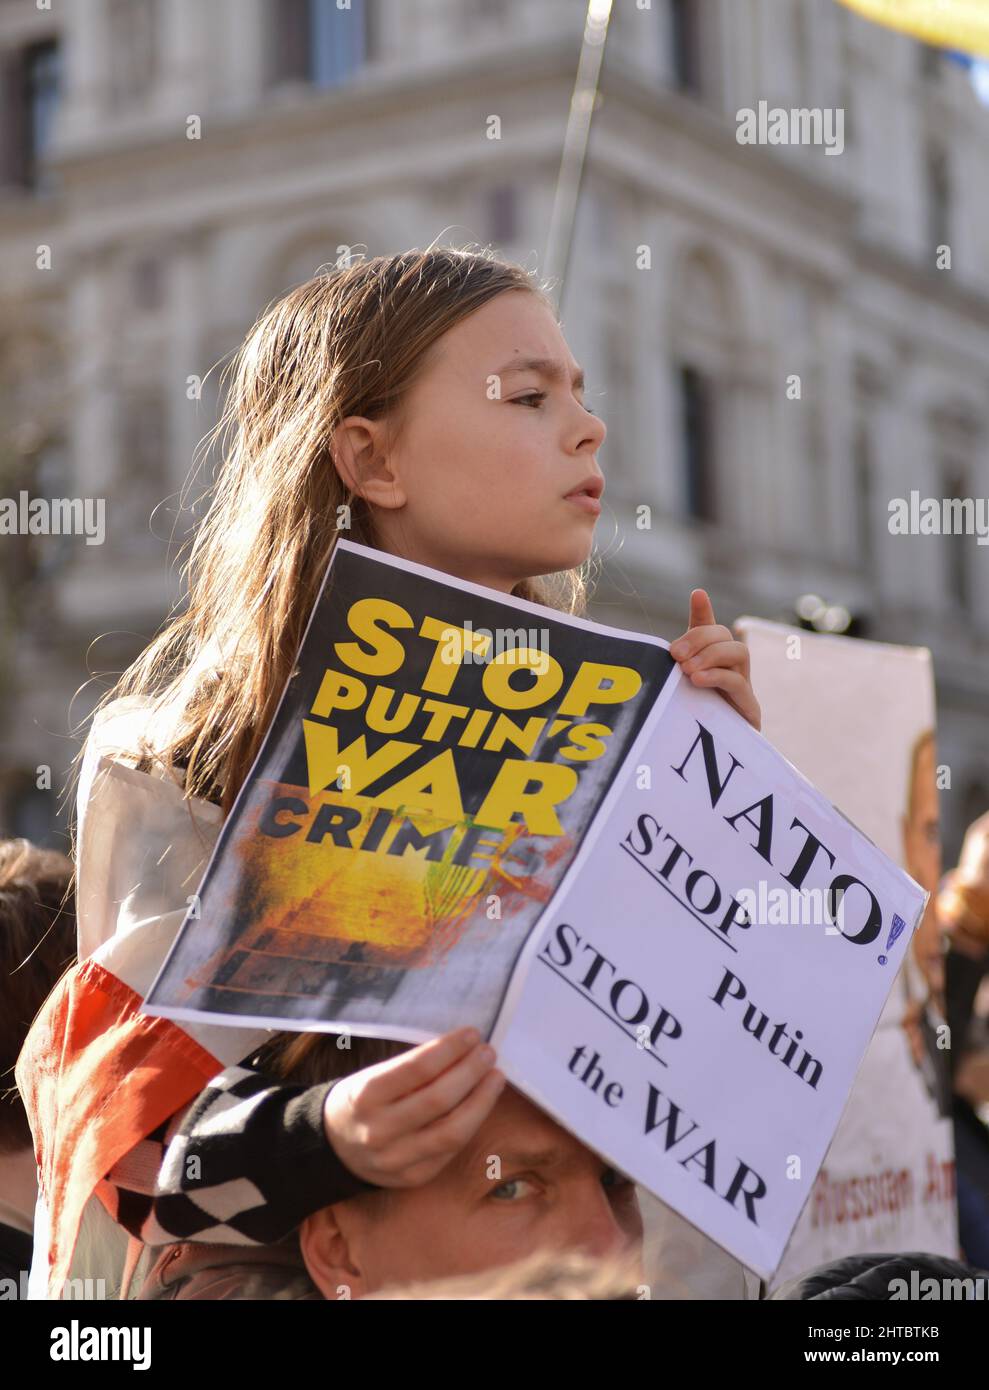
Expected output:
(922, 854)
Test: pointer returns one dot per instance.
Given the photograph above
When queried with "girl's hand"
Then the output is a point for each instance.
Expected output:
(398, 1123)
(709, 654)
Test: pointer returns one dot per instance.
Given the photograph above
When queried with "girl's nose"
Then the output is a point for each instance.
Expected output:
(598, 429)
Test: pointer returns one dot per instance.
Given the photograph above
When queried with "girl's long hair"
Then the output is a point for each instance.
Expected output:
(350, 341)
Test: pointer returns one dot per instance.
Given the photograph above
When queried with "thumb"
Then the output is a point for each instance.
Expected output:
(701, 611)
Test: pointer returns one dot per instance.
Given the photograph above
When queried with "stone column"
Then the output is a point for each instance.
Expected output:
(187, 303)
(188, 40)
(241, 32)
(82, 111)
(837, 391)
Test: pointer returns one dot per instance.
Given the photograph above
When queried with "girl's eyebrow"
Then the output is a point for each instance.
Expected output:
(544, 366)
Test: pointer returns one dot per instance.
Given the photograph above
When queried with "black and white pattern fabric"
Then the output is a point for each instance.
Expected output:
(244, 1164)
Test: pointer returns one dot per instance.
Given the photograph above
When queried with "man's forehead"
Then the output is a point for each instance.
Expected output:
(518, 1133)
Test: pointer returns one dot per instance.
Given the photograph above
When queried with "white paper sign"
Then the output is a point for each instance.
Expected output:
(689, 1007)
(858, 718)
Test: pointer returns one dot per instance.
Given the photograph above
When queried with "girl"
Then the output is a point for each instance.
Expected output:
(427, 404)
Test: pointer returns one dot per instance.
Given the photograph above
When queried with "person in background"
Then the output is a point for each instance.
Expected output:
(37, 942)
(925, 1012)
(963, 910)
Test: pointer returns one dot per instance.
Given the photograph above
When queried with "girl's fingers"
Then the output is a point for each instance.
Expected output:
(394, 1079)
(450, 1132)
(701, 610)
(697, 638)
(443, 1094)
(735, 688)
(732, 656)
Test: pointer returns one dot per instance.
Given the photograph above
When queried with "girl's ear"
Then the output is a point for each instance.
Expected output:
(328, 1256)
(363, 463)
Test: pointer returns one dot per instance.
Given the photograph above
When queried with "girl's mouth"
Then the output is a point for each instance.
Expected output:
(587, 494)
(585, 501)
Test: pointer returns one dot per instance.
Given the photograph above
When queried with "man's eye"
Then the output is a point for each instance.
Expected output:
(612, 1178)
(513, 1189)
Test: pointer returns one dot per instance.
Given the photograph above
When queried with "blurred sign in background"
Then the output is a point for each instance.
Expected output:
(783, 336)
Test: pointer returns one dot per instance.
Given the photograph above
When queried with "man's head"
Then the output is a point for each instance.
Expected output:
(522, 1184)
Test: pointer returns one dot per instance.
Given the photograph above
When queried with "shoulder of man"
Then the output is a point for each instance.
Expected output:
(212, 1272)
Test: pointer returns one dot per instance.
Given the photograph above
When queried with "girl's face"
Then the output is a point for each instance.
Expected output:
(487, 477)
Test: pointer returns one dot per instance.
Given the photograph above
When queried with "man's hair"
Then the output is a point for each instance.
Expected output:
(309, 1058)
(37, 944)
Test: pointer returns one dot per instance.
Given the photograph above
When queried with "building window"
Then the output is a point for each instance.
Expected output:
(929, 61)
(43, 81)
(613, 399)
(956, 546)
(815, 456)
(131, 31)
(40, 468)
(338, 41)
(801, 47)
(685, 44)
(503, 214)
(142, 481)
(847, 105)
(697, 432)
(51, 480)
(147, 283)
(862, 465)
(316, 41)
(30, 80)
(938, 193)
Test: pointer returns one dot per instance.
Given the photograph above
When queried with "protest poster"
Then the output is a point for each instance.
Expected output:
(429, 775)
(698, 1000)
(569, 846)
(858, 717)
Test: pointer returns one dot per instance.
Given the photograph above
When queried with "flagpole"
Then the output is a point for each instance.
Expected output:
(568, 183)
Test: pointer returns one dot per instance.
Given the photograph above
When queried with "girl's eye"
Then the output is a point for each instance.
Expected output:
(511, 1191)
(537, 397)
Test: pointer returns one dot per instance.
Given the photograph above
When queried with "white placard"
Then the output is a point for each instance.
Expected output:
(858, 717)
(689, 1007)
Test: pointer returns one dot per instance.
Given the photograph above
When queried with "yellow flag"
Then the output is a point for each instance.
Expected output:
(960, 24)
